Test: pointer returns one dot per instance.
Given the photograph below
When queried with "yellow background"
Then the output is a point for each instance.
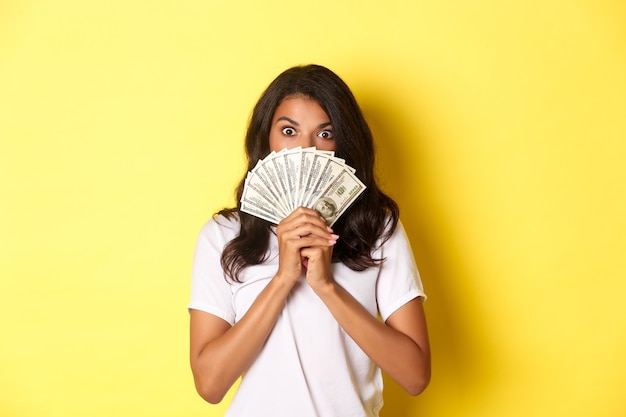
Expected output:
(501, 132)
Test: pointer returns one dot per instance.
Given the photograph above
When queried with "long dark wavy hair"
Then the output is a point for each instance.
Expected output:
(373, 216)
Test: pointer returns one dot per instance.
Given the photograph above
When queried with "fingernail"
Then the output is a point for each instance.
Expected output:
(335, 237)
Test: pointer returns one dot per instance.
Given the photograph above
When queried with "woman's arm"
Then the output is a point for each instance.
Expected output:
(219, 352)
(399, 346)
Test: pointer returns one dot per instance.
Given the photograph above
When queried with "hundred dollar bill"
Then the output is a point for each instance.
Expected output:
(254, 211)
(259, 201)
(269, 177)
(312, 159)
(293, 164)
(340, 193)
(257, 192)
(275, 167)
(317, 162)
(304, 173)
(332, 167)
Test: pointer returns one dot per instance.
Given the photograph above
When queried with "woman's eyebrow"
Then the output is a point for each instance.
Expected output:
(288, 119)
(293, 122)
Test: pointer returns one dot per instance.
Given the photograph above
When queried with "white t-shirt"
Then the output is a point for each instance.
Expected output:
(308, 366)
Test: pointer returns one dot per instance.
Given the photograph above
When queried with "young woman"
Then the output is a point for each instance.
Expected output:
(293, 307)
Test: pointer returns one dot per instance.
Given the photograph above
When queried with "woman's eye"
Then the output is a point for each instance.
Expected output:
(326, 134)
(289, 131)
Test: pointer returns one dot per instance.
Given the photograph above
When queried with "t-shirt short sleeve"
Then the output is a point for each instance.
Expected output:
(399, 280)
(210, 290)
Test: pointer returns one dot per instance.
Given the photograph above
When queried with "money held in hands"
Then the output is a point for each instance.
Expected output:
(288, 179)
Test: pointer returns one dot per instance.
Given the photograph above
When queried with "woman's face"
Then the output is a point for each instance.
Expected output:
(301, 121)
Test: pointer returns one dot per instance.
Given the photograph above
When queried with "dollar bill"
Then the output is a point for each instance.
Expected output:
(293, 165)
(260, 201)
(288, 179)
(316, 166)
(332, 167)
(338, 195)
(268, 176)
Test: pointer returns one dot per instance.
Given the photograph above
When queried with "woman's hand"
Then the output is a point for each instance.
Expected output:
(317, 261)
(304, 241)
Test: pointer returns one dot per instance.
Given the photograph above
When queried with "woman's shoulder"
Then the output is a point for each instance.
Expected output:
(391, 226)
(222, 225)
(226, 219)
(392, 232)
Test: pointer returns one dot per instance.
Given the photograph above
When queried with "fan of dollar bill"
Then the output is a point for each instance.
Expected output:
(291, 178)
